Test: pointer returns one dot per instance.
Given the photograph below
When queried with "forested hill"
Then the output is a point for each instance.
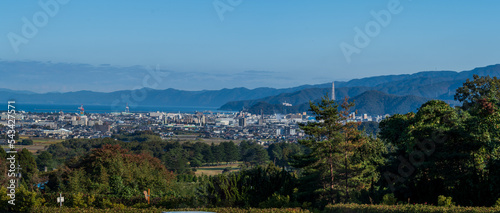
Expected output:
(413, 88)
(369, 102)
(429, 84)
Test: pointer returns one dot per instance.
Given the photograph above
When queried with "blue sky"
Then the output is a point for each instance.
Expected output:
(273, 43)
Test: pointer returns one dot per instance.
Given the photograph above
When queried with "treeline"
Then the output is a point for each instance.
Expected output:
(446, 151)
(177, 157)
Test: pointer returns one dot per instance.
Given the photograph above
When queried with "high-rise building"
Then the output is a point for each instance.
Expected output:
(242, 122)
(333, 91)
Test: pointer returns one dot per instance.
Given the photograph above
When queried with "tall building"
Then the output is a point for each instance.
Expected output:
(242, 122)
(333, 91)
(82, 111)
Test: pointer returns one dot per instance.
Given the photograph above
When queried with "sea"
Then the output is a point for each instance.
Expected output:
(74, 108)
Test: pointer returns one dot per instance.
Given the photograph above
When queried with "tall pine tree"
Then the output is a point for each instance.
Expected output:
(341, 157)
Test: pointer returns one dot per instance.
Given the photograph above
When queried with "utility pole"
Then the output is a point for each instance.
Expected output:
(60, 200)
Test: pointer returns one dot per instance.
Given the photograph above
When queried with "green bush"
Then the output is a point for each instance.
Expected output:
(354, 208)
(389, 199)
(141, 206)
(497, 204)
(119, 206)
(104, 203)
(78, 201)
(45, 209)
(445, 201)
(4, 199)
(27, 142)
(275, 201)
(90, 200)
(26, 200)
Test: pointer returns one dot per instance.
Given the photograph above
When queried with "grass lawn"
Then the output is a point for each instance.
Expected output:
(39, 144)
(215, 170)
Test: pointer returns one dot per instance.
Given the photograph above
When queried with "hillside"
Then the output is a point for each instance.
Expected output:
(369, 102)
(428, 84)
(145, 96)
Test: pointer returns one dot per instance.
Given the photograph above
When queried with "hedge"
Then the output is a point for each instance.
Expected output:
(152, 209)
(365, 208)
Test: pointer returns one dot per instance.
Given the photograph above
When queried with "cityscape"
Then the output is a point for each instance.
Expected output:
(237, 106)
(263, 129)
(230, 126)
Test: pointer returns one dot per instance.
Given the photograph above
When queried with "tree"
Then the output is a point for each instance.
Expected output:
(436, 152)
(112, 170)
(3, 153)
(481, 98)
(43, 160)
(231, 152)
(485, 88)
(176, 160)
(208, 156)
(253, 153)
(28, 168)
(27, 142)
(282, 153)
(248, 187)
(218, 152)
(340, 155)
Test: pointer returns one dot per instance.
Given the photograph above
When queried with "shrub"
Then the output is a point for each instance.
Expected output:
(353, 207)
(4, 198)
(26, 200)
(45, 209)
(389, 199)
(445, 201)
(497, 204)
(119, 206)
(27, 142)
(78, 201)
(275, 201)
(104, 203)
(140, 206)
(90, 200)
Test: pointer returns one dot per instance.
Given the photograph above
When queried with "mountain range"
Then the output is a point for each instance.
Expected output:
(373, 95)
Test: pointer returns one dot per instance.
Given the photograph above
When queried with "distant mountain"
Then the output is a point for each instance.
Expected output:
(429, 85)
(409, 89)
(379, 103)
(297, 97)
(147, 97)
(369, 102)
(438, 76)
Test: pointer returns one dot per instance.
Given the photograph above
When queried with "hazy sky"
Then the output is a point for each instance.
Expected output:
(283, 42)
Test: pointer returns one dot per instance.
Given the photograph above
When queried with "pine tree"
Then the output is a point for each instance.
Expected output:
(340, 155)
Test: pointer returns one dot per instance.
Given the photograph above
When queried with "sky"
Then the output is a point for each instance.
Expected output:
(214, 44)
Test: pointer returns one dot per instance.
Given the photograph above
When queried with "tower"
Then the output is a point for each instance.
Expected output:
(81, 110)
(333, 91)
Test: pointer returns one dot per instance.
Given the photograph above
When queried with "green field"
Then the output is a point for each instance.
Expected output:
(39, 144)
(215, 170)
